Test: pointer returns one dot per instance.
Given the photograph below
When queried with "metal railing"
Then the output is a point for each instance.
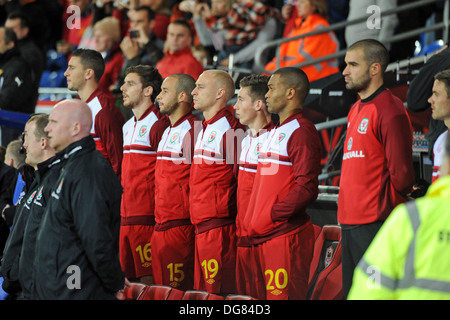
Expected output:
(444, 25)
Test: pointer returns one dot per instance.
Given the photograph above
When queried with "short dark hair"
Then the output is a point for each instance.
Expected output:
(149, 76)
(444, 76)
(91, 59)
(185, 83)
(295, 78)
(257, 85)
(150, 13)
(184, 23)
(374, 52)
(24, 20)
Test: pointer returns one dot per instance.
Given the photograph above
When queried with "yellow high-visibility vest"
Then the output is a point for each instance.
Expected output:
(409, 257)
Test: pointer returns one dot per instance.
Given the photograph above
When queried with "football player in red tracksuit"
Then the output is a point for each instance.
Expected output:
(213, 184)
(141, 136)
(286, 182)
(377, 169)
(252, 112)
(174, 237)
(83, 74)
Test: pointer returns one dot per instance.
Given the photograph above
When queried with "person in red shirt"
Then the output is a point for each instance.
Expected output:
(213, 184)
(286, 183)
(84, 71)
(141, 136)
(174, 237)
(252, 112)
(178, 56)
(377, 169)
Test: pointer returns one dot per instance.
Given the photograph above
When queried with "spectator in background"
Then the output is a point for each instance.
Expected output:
(141, 135)
(377, 162)
(141, 46)
(83, 75)
(42, 16)
(29, 51)
(360, 31)
(205, 13)
(162, 16)
(72, 36)
(178, 57)
(312, 16)
(107, 42)
(174, 237)
(247, 25)
(17, 92)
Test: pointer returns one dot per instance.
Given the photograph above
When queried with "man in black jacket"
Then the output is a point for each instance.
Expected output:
(41, 157)
(18, 22)
(16, 88)
(77, 244)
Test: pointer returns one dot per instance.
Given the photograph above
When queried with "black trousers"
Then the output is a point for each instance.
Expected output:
(355, 241)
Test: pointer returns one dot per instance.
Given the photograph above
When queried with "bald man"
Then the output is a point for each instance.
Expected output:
(213, 183)
(76, 254)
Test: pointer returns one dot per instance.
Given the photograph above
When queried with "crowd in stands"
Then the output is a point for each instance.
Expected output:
(153, 98)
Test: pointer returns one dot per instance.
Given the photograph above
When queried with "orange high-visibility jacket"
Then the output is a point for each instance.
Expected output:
(309, 48)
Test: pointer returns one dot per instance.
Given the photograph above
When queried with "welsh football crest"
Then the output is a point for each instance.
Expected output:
(363, 126)
(212, 136)
(280, 138)
(174, 137)
(258, 148)
(142, 130)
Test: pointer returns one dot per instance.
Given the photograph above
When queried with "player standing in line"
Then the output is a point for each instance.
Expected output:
(174, 237)
(83, 74)
(252, 112)
(213, 184)
(286, 183)
(141, 136)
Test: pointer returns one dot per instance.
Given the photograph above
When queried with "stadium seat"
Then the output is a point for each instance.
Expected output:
(160, 292)
(133, 291)
(325, 279)
(239, 297)
(200, 295)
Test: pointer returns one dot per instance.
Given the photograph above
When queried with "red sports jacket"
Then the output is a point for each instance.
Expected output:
(140, 142)
(377, 168)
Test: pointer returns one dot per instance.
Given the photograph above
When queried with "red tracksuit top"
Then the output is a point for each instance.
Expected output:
(248, 162)
(107, 123)
(173, 164)
(377, 167)
(286, 180)
(213, 179)
(140, 142)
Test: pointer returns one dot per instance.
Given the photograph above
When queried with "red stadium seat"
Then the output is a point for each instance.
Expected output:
(133, 291)
(325, 278)
(200, 295)
(239, 297)
(161, 292)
